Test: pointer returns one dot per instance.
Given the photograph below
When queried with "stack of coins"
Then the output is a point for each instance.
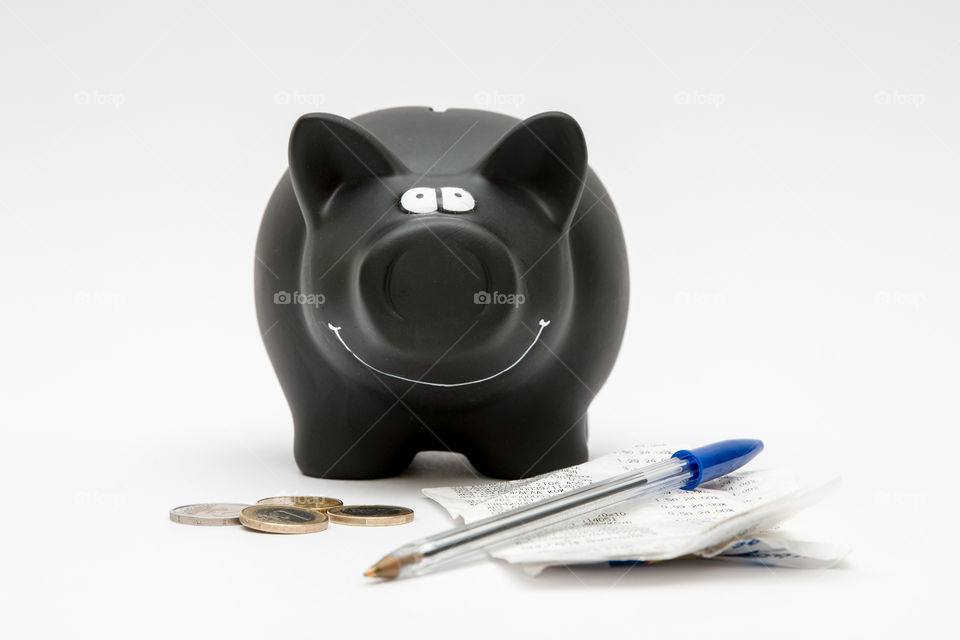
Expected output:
(291, 514)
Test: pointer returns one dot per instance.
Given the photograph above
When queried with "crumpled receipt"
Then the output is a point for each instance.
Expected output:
(734, 517)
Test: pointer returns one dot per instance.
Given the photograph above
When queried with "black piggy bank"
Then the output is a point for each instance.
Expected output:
(429, 280)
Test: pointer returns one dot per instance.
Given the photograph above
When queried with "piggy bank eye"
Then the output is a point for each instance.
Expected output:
(456, 200)
(419, 200)
(430, 200)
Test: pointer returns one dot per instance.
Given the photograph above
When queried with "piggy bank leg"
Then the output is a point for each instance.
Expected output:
(353, 437)
(524, 445)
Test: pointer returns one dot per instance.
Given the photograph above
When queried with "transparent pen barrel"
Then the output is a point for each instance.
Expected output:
(496, 530)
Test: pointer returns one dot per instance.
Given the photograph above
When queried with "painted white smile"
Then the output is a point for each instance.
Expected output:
(336, 330)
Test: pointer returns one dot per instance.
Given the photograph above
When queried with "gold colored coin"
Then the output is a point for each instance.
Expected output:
(314, 503)
(281, 519)
(370, 515)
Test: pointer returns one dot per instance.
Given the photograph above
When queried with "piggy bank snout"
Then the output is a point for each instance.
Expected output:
(431, 283)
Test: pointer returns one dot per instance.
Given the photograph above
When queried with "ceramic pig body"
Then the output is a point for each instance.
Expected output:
(449, 280)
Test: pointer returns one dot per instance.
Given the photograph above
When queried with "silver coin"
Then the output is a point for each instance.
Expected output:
(213, 514)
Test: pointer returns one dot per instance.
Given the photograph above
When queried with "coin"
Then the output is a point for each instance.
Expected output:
(370, 515)
(314, 503)
(281, 519)
(210, 515)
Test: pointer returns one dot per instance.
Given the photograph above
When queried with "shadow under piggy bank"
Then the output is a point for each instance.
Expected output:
(449, 280)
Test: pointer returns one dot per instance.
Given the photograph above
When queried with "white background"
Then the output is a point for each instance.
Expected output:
(787, 179)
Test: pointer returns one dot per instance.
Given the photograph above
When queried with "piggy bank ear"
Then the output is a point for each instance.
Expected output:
(327, 151)
(547, 155)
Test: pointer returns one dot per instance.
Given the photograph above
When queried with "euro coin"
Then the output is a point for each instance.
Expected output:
(370, 515)
(281, 519)
(212, 514)
(314, 503)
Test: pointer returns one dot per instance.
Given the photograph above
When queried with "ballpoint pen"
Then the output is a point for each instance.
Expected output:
(686, 469)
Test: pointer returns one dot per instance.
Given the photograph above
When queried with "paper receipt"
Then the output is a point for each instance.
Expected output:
(729, 516)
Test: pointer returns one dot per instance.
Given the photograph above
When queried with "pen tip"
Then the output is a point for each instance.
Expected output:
(387, 567)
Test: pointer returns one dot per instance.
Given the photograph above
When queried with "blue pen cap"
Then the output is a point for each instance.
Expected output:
(718, 459)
